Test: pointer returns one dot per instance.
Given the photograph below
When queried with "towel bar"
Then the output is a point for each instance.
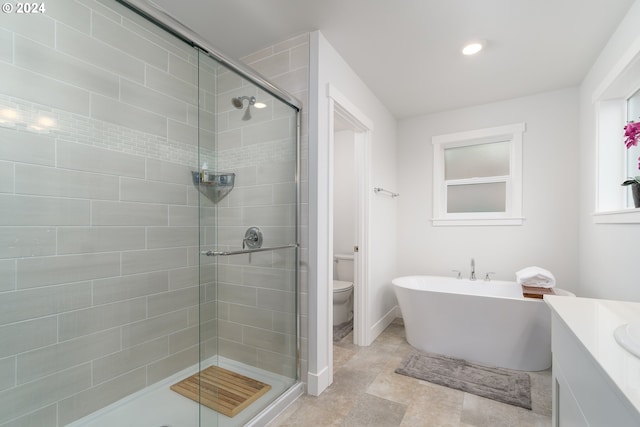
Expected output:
(246, 251)
(387, 192)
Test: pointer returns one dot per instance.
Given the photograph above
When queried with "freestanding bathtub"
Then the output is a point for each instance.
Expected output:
(488, 322)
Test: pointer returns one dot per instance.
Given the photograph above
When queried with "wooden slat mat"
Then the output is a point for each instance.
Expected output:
(534, 292)
(221, 390)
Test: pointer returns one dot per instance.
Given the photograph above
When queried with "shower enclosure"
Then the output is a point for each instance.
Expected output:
(148, 225)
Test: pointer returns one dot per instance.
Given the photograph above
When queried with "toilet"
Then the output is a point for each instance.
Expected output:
(342, 288)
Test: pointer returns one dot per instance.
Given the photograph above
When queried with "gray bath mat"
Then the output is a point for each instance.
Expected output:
(342, 330)
(503, 385)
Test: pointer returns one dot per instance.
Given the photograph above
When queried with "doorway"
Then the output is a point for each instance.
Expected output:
(345, 221)
(350, 131)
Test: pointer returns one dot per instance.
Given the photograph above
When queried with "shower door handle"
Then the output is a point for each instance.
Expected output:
(247, 251)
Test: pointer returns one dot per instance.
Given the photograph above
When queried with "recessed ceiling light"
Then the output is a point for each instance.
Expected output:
(472, 48)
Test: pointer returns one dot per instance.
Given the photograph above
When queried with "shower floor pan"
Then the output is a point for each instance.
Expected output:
(157, 405)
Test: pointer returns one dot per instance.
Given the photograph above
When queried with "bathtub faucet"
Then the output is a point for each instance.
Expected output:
(473, 270)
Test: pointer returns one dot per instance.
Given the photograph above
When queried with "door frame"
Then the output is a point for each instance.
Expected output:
(362, 127)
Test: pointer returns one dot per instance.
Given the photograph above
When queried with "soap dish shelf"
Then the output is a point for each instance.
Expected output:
(213, 185)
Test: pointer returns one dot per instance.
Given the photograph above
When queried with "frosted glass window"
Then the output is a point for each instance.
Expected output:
(489, 197)
(474, 161)
(477, 177)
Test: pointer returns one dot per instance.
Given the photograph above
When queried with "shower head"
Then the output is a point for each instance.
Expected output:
(239, 101)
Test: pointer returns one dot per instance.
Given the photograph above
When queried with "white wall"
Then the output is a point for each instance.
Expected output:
(549, 236)
(344, 192)
(609, 266)
(327, 67)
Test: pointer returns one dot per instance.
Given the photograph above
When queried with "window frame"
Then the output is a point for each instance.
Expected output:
(513, 192)
(610, 104)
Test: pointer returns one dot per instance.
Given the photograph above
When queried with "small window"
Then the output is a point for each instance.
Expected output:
(478, 177)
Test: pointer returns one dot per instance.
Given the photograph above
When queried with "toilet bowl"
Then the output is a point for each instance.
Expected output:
(342, 303)
(343, 289)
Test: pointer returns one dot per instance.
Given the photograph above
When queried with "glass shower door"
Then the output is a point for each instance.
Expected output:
(247, 184)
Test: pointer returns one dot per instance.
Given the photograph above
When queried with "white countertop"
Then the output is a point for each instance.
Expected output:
(593, 322)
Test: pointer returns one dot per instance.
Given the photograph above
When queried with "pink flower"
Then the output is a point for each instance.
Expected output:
(631, 134)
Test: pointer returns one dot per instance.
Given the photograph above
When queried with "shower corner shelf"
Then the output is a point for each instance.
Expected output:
(214, 186)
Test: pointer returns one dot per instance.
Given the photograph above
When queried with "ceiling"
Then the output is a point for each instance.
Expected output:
(408, 51)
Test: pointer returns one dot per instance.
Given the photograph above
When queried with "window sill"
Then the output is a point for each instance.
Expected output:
(625, 216)
(439, 222)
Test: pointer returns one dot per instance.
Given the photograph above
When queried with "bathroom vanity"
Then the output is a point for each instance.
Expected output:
(596, 382)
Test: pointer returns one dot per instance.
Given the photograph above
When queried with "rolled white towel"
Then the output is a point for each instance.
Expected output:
(535, 277)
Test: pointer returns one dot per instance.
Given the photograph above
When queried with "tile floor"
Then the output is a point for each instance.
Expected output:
(367, 392)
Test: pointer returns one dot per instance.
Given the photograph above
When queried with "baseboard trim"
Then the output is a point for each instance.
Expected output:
(382, 324)
(317, 383)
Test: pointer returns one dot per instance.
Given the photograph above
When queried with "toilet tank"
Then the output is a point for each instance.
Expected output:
(344, 267)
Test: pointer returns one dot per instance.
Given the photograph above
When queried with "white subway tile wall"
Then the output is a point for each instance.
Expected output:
(101, 119)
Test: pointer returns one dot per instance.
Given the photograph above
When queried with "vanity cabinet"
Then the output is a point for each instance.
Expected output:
(595, 381)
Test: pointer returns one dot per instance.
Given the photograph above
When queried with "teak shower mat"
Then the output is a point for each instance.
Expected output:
(221, 390)
(533, 292)
(503, 385)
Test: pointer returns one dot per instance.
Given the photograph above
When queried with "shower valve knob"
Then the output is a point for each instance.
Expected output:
(252, 238)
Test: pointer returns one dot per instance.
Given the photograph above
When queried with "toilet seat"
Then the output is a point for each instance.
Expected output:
(342, 286)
